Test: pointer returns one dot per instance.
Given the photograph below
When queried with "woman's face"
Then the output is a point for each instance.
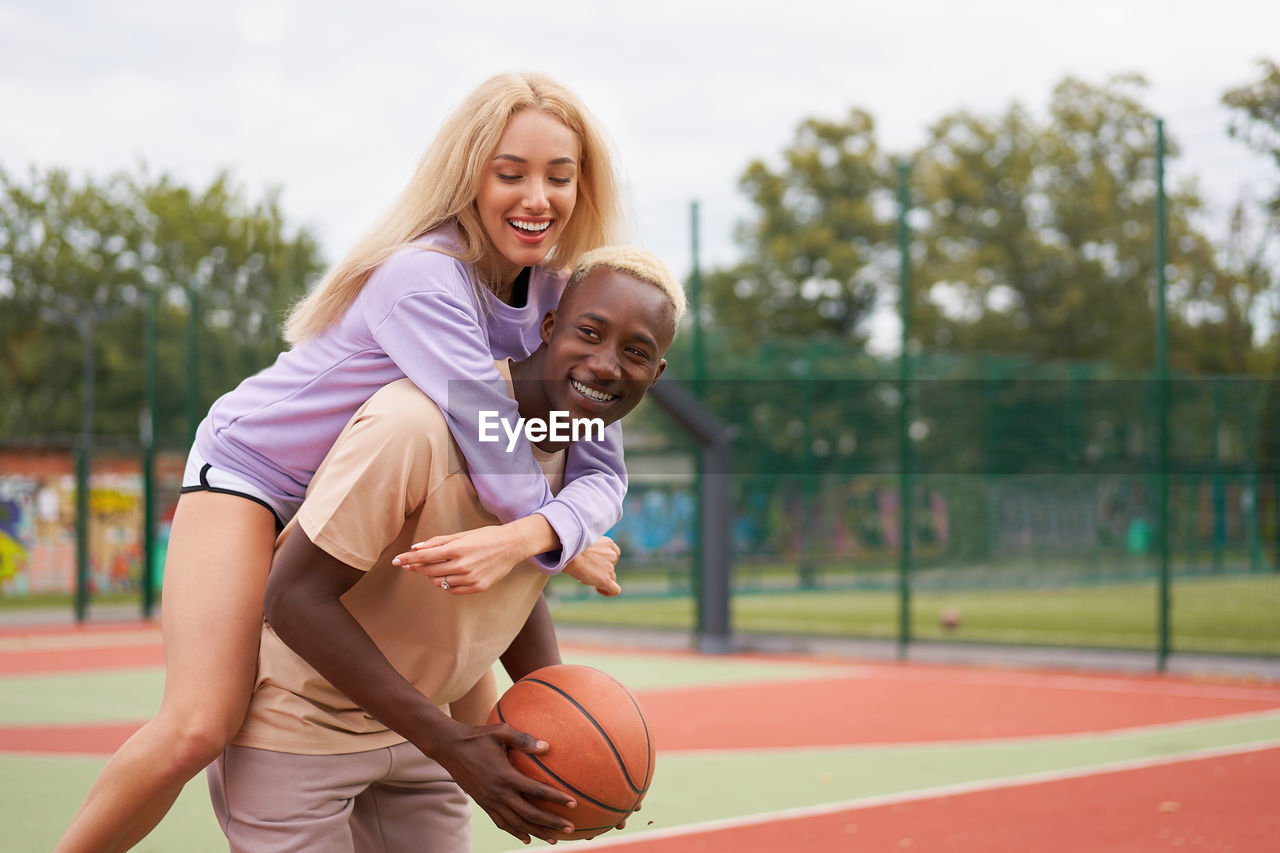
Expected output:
(528, 190)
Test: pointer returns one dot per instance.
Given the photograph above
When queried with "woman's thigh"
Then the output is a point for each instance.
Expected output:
(216, 568)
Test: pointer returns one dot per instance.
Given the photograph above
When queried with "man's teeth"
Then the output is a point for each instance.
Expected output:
(598, 396)
(530, 226)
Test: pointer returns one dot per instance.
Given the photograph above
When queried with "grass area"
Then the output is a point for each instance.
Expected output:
(1231, 614)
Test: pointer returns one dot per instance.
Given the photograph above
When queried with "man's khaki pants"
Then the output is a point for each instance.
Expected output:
(389, 800)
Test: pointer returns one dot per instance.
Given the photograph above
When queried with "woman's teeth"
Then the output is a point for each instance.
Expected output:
(530, 226)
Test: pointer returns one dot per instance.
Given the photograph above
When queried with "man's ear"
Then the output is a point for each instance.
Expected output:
(662, 365)
(548, 326)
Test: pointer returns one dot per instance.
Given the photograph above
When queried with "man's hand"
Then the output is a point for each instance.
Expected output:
(597, 567)
(477, 759)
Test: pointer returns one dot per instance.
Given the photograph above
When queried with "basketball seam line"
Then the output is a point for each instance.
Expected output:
(570, 788)
(648, 738)
(573, 790)
(626, 774)
(648, 742)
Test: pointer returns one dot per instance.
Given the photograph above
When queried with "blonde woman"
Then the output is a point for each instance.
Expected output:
(518, 183)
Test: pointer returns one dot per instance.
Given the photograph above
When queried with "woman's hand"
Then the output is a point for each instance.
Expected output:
(477, 759)
(474, 560)
(597, 567)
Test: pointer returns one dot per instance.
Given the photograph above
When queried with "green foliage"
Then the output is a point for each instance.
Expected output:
(1040, 240)
(1040, 237)
(1257, 116)
(89, 255)
(1250, 250)
(824, 221)
(1030, 237)
(1033, 273)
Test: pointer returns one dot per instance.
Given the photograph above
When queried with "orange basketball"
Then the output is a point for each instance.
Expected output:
(601, 750)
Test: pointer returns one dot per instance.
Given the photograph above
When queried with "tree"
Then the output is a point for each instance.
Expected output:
(1256, 121)
(97, 250)
(1040, 239)
(1252, 252)
(1034, 238)
(824, 222)
(1257, 116)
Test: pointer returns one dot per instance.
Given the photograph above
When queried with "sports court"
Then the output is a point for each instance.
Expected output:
(768, 752)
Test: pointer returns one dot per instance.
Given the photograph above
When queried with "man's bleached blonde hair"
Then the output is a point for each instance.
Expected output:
(444, 186)
(637, 263)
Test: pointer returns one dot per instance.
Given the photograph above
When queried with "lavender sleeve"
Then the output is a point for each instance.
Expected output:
(434, 333)
(595, 483)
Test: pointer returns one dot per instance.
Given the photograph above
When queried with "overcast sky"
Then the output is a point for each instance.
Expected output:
(334, 102)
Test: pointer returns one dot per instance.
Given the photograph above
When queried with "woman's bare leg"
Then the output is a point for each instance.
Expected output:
(215, 572)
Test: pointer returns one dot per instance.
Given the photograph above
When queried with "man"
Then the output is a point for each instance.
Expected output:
(362, 731)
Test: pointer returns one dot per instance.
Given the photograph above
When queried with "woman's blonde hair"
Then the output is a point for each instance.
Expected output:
(444, 186)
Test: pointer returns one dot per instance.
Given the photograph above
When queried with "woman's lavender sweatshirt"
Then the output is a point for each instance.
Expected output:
(417, 316)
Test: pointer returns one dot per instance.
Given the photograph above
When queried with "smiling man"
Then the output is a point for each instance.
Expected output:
(363, 731)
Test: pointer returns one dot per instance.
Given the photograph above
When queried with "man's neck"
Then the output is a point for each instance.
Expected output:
(531, 400)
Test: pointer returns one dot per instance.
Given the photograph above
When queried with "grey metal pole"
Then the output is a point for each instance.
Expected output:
(84, 325)
(715, 636)
(715, 476)
(149, 459)
(192, 390)
(906, 486)
(695, 303)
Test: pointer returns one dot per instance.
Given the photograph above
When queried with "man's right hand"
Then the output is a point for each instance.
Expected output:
(477, 759)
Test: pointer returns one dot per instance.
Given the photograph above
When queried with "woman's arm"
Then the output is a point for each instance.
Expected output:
(595, 483)
(435, 334)
(466, 561)
(471, 561)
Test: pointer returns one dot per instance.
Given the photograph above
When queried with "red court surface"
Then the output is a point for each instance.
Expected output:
(67, 739)
(1223, 804)
(870, 703)
(906, 703)
(78, 660)
(61, 648)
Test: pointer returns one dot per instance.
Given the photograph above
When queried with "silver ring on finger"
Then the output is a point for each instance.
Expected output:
(444, 583)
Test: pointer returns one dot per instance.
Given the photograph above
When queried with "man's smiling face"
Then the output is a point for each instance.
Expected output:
(605, 345)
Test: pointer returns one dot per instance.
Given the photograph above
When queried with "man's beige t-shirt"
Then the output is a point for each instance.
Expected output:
(394, 477)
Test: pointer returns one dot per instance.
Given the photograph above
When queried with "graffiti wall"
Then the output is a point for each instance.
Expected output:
(38, 521)
(835, 519)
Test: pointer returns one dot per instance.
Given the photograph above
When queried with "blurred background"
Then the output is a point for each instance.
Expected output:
(988, 297)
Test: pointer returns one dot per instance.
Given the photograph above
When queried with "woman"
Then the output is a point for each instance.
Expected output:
(518, 183)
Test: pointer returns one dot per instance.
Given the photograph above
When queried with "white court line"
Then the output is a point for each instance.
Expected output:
(928, 794)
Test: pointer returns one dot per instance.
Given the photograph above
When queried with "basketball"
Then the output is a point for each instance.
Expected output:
(600, 748)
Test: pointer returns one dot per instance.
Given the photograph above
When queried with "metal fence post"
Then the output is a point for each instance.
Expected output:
(1162, 403)
(906, 498)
